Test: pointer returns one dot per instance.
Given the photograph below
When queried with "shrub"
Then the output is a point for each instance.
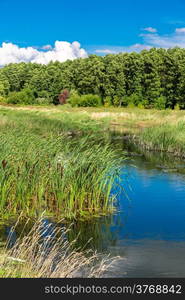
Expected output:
(26, 96)
(2, 99)
(143, 104)
(132, 100)
(107, 101)
(131, 105)
(43, 94)
(160, 103)
(117, 101)
(85, 100)
(90, 100)
(140, 105)
(74, 100)
(177, 107)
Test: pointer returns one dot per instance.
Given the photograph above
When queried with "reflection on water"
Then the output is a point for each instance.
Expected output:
(149, 228)
(149, 258)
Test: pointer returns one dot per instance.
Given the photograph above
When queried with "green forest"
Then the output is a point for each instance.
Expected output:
(153, 78)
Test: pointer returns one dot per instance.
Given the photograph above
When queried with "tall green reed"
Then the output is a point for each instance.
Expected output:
(43, 170)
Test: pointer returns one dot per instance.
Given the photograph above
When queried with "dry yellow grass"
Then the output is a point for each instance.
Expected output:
(46, 252)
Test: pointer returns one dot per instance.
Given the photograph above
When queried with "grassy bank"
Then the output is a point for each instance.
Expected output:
(43, 169)
(166, 137)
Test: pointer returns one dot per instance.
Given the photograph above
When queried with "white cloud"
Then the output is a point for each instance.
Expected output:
(180, 30)
(176, 39)
(116, 49)
(62, 51)
(150, 29)
(105, 51)
(149, 40)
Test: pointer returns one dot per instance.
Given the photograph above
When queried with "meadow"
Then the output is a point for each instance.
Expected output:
(160, 130)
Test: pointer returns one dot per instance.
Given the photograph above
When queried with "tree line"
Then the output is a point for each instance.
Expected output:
(151, 78)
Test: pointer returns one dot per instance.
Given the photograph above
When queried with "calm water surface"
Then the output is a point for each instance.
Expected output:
(151, 234)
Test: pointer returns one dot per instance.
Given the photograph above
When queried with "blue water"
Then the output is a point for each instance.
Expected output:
(156, 205)
(151, 227)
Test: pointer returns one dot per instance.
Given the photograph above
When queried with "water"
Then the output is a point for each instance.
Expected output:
(148, 231)
(152, 236)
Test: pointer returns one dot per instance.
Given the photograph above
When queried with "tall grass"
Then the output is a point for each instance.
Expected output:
(43, 170)
(45, 252)
(166, 137)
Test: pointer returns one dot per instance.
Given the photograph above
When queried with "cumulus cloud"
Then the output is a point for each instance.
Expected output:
(150, 29)
(62, 51)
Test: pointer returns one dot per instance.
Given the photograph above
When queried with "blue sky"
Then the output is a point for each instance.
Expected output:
(98, 25)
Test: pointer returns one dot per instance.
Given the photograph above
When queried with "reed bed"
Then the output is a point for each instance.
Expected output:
(41, 169)
(46, 253)
(166, 137)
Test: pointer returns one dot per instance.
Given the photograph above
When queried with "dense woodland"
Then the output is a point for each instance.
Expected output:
(154, 78)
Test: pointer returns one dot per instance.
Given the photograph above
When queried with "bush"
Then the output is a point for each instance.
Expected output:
(74, 100)
(140, 105)
(43, 94)
(85, 100)
(26, 96)
(160, 103)
(107, 101)
(117, 101)
(143, 104)
(177, 107)
(131, 105)
(90, 100)
(2, 99)
(132, 100)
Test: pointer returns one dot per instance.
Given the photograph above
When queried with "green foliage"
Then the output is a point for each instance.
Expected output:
(74, 100)
(118, 79)
(108, 101)
(85, 100)
(131, 105)
(145, 103)
(2, 99)
(177, 107)
(140, 105)
(26, 96)
(160, 103)
(132, 100)
(117, 101)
